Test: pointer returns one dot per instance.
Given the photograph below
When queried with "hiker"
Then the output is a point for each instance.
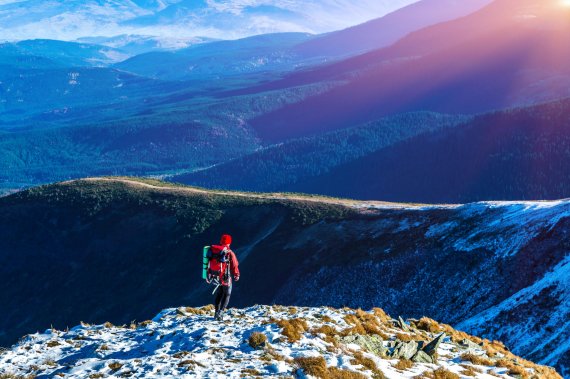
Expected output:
(222, 267)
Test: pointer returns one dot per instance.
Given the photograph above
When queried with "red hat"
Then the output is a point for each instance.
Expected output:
(226, 239)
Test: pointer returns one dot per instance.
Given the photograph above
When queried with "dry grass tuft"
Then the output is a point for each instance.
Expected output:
(477, 359)
(364, 323)
(403, 364)
(337, 373)
(380, 314)
(368, 363)
(15, 376)
(513, 368)
(180, 354)
(248, 372)
(428, 325)
(190, 362)
(442, 373)
(405, 337)
(115, 366)
(470, 370)
(204, 311)
(53, 343)
(257, 340)
(292, 329)
(317, 367)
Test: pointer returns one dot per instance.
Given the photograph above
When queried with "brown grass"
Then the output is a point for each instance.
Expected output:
(53, 343)
(327, 330)
(405, 337)
(327, 318)
(428, 325)
(513, 368)
(368, 363)
(292, 329)
(470, 370)
(317, 367)
(364, 323)
(257, 340)
(180, 354)
(336, 373)
(381, 315)
(204, 311)
(15, 376)
(115, 366)
(477, 359)
(97, 375)
(250, 371)
(403, 364)
(190, 362)
(442, 373)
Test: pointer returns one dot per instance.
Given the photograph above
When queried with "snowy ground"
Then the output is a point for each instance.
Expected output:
(188, 343)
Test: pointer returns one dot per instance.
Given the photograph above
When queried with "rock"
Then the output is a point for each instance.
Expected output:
(402, 324)
(405, 350)
(373, 343)
(422, 357)
(431, 348)
(468, 344)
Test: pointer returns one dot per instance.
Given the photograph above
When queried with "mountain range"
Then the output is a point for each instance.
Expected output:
(162, 112)
(452, 67)
(499, 270)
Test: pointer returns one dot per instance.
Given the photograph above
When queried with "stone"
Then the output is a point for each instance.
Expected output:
(405, 350)
(402, 324)
(422, 357)
(431, 348)
(373, 343)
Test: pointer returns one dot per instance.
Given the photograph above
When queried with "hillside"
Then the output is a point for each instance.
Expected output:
(518, 153)
(295, 162)
(384, 31)
(134, 247)
(267, 341)
(453, 67)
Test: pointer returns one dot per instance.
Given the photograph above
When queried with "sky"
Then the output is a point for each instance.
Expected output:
(178, 19)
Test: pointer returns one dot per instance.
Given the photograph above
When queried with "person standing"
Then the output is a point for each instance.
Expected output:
(222, 268)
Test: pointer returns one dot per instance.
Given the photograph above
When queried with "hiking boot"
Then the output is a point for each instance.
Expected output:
(220, 316)
(217, 315)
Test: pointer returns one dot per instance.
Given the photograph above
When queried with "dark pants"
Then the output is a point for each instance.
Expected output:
(223, 294)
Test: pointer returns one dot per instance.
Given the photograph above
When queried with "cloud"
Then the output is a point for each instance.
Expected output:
(72, 19)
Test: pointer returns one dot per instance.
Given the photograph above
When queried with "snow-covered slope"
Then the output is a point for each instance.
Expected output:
(265, 341)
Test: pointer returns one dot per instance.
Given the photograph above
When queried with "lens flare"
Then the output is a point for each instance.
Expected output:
(565, 3)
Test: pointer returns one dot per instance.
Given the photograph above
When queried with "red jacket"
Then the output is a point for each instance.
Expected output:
(231, 261)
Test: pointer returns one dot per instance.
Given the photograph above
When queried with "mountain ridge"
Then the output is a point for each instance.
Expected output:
(131, 247)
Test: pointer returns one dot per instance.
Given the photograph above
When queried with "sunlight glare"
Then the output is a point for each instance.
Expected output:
(565, 3)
